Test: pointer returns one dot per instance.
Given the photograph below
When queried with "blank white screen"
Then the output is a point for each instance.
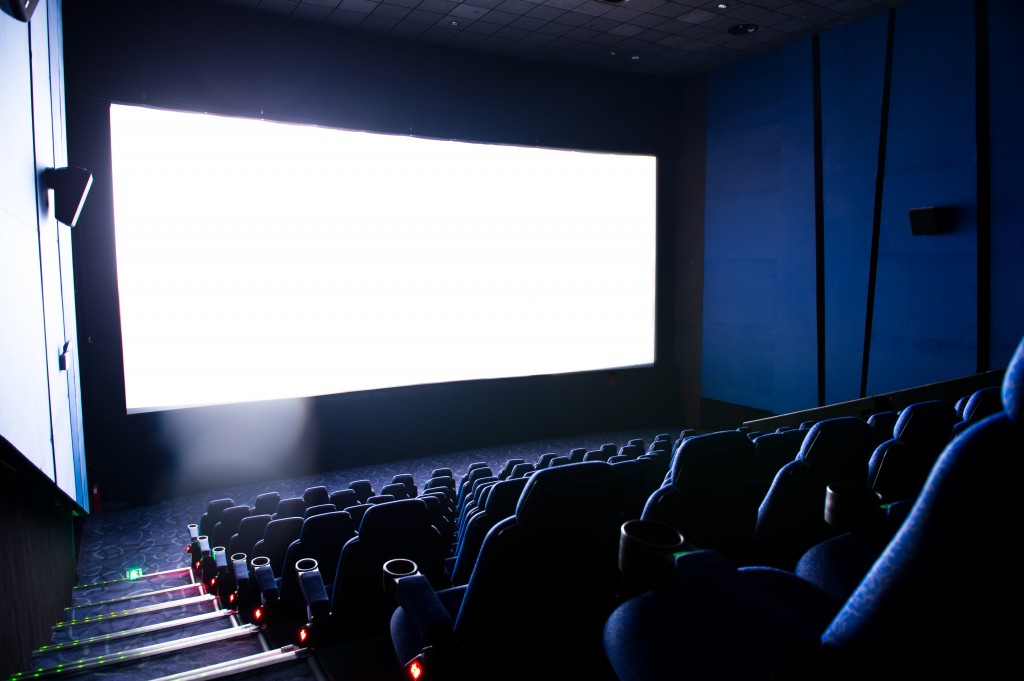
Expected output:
(260, 260)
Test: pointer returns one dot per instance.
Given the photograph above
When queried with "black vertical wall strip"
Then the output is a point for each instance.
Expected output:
(876, 218)
(984, 151)
(819, 216)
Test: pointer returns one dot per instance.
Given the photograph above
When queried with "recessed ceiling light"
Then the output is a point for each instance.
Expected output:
(744, 29)
(723, 5)
(453, 23)
(635, 57)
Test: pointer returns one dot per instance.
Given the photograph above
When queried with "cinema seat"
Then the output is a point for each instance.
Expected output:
(321, 538)
(363, 490)
(266, 503)
(790, 519)
(250, 531)
(208, 521)
(227, 526)
(711, 497)
(291, 507)
(359, 607)
(316, 496)
(277, 536)
(343, 498)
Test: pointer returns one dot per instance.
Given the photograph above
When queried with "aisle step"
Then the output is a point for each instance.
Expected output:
(205, 598)
(137, 631)
(134, 654)
(241, 665)
(135, 596)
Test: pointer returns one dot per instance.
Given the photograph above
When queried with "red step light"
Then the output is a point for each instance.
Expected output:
(415, 670)
(303, 635)
(258, 614)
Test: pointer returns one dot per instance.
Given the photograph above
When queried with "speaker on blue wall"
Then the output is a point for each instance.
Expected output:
(931, 220)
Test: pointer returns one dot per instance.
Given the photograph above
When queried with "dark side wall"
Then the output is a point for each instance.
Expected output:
(816, 291)
(218, 58)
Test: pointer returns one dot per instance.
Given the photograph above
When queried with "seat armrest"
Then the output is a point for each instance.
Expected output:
(426, 612)
(266, 583)
(311, 583)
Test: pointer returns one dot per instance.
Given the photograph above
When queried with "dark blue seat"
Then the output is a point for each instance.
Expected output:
(227, 526)
(411, 491)
(791, 517)
(266, 503)
(363, 490)
(980, 404)
(898, 467)
(319, 509)
(316, 496)
(711, 497)
(321, 538)
(343, 498)
(208, 521)
(397, 490)
(291, 507)
(250, 531)
(277, 537)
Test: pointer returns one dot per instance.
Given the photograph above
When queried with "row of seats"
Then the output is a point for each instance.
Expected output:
(932, 602)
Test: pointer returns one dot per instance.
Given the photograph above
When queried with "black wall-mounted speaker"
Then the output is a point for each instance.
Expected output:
(931, 220)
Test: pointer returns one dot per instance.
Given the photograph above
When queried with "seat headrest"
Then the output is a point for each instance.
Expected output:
(577, 491)
(982, 403)
(325, 526)
(283, 526)
(925, 424)
(395, 517)
(729, 443)
(839, 448)
(504, 497)
(1013, 386)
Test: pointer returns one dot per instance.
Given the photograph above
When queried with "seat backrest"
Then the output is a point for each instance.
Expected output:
(545, 459)
(638, 479)
(292, 507)
(520, 470)
(396, 489)
(712, 496)
(277, 536)
(442, 472)
(397, 529)
(319, 509)
(363, 490)
(549, 574)
(506, 470)
(214, 509)
(316, 496)
(471, 477)
(772, 451)
(791, 516)
(321, 538)
(898, 467)
(409, 482)
(576, 454)
(250, 531)
(343, 498)
(227, 526)
(980, 404)
(266, 503)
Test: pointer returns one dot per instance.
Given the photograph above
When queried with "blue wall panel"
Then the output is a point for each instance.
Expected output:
(1007, 143)
(925, 306)
(758, 325)
(852, 75)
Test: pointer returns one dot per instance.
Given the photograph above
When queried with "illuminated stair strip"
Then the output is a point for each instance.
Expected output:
(137, 611)
(165, 573)
(242, 664)
(149, 628)
(137, 653)
(130, 597)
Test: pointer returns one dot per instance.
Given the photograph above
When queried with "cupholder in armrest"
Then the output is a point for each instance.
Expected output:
(647, 550)
(853, 508)
(394, 570)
